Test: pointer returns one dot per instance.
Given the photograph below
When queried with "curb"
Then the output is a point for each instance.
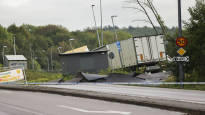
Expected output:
(173, 105)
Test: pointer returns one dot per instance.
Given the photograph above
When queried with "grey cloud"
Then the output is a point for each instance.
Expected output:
(76, 14)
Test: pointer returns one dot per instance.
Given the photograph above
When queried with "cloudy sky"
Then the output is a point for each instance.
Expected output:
(77, 14)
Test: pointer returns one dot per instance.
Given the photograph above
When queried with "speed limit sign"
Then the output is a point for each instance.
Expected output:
(181, 42)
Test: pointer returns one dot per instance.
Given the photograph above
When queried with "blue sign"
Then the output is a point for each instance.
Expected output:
(118, 46)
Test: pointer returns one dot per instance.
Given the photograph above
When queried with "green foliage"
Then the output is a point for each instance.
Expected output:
(33, 76)
(122, 71)
(196, 36)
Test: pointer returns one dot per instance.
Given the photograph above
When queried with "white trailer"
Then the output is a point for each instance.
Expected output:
(136, 51)
(150, 49)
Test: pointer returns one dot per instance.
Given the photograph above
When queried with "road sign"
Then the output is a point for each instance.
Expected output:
(118, 46)
(181, 42)
(111, 55)
(181, 51)
(181, 59)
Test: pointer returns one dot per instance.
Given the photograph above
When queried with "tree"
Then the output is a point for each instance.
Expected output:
(195, 32)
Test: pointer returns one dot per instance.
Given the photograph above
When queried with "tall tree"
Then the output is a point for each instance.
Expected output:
(195, 32)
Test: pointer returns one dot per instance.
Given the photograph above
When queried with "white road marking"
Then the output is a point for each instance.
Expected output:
(20, 109)
(87, 111)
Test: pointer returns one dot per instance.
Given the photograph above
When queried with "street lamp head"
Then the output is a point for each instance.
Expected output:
(5, 46)
(93, 5)
(114, 16)
(71, 39)
(59, 51)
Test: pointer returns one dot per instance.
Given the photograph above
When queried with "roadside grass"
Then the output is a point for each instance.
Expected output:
(187, 87)
(188, 78)
(122, 71)
(34, 76)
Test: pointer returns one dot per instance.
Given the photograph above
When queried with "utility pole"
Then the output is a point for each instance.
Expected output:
(33, 60)
(96, 25)
(3, 53)
(114, 27)
(48, 63)
(180, 64)
(51, 59)
(32, 57)
(101, 21)
(14, 45)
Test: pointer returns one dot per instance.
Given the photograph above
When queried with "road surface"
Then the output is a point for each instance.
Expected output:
(30, 103)
(191, 96)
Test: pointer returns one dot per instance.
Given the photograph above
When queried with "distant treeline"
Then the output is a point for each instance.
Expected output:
(39, 42)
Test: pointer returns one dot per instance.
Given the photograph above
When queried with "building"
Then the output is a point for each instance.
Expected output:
(92, 62)
(80, 49)
(15, 61)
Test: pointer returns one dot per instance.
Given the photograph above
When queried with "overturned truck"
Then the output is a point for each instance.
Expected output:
(135, 51)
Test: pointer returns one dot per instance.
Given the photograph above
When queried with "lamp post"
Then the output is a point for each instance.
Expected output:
(51, 59)
(119, 50)
(112, 17)
(71, 43)
(3, 54)
(47, 61)
(96, 26)
(101, 21)
(14, 45)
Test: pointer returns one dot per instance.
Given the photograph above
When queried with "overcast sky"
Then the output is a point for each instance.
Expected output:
(77, 14)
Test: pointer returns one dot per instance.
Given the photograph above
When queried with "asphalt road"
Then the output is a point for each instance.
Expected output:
(33, 103)
(190, 96)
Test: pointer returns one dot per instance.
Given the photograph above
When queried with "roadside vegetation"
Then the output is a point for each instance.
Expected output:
(108, 71)
(38, 77)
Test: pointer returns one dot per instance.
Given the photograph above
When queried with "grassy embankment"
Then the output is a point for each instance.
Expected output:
(187, 86)
(34, 76)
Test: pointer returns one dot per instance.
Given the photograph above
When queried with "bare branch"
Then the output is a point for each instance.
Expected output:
(147, 21)
(135, 8)
(146, 13)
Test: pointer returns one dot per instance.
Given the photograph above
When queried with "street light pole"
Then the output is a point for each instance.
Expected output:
(119, 51)
(181, 68)
(71, 43)
(14, 45)
(114, 27)
(47, 60)
(96, 25)
(51, 59)
(33, 66)
(101, 21)
(3, 54)
(48, 63)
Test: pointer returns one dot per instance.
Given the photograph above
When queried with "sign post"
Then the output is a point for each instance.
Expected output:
(119, 51)
(181, 68)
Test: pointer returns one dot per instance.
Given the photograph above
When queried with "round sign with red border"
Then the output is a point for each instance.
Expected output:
(181, 41)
